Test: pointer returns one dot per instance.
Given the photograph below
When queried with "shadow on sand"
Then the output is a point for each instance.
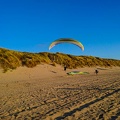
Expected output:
(85, 106)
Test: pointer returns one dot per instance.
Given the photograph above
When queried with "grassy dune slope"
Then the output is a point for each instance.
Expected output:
(10, 59)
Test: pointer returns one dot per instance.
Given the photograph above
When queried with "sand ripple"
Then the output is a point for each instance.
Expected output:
(87, 97)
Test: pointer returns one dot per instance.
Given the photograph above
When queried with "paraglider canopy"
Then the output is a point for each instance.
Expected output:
(66, 40)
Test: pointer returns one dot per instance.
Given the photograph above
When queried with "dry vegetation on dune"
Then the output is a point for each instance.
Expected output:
(10, 59)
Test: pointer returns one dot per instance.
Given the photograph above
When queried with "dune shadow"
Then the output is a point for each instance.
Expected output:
(102, 69)
(53, 72)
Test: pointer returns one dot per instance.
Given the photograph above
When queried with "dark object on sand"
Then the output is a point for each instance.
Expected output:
(65, 67)
(96, 71)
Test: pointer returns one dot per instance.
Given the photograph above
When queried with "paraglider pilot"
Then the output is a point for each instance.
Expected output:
(96, 71)
(65, 67)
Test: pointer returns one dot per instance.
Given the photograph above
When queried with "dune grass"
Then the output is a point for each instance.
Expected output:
(10, 59)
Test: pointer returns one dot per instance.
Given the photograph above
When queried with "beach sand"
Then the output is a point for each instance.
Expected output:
(46, 92)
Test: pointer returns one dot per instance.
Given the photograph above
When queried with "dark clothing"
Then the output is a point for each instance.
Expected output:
(65, 68)
(96, 71)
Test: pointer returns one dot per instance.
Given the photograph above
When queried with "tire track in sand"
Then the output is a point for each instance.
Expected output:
(70, 113)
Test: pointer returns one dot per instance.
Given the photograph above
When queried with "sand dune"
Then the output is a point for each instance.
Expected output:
(48, 93)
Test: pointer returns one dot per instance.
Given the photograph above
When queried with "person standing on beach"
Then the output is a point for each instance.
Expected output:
(96, 71)
(65, 67)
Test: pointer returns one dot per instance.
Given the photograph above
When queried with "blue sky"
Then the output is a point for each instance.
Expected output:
(31, 25)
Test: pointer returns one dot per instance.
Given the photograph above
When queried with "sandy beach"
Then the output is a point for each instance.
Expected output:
(46, 92)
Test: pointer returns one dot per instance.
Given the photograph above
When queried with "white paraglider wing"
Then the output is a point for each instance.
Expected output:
(66, 40)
